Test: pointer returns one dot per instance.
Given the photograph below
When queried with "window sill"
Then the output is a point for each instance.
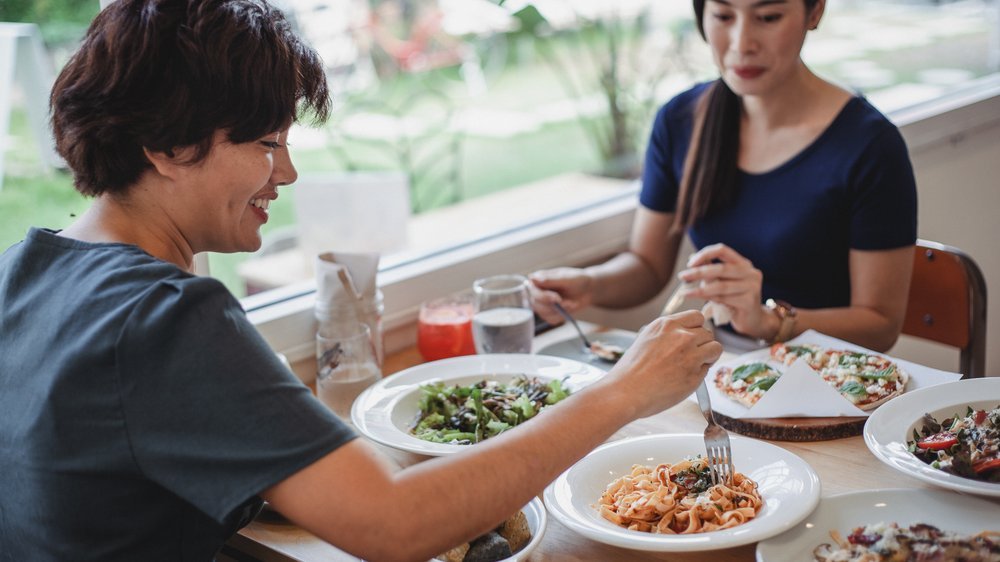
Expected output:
(572, 218)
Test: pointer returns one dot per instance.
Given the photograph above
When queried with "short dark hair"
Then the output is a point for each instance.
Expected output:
(165, 74)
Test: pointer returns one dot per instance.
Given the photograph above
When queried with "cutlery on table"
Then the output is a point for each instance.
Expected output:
(676, 299)
(720, 453)
(603, 351)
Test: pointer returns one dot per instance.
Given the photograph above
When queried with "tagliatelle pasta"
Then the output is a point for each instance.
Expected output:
(679, 499)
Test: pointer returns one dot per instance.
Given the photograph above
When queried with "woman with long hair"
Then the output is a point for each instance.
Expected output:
(798, 194)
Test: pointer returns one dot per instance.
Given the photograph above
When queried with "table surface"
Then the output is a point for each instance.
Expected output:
(843, 465)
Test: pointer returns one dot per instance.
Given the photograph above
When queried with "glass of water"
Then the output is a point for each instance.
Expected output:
(503, 321)
(346, 364)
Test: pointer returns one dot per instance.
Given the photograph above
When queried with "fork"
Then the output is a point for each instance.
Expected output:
(676, 299)
(720, 453)
(571, 320)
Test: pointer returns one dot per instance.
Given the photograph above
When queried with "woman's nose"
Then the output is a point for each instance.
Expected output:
(743, 38)
(284, 172)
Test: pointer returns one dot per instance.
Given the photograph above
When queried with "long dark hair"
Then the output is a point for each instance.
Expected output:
(711, 164)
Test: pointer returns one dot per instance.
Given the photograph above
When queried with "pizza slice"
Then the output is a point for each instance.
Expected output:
(814, 355)
(866, 379)
(746, 383)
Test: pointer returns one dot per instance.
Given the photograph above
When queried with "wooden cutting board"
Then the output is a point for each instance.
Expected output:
(794, 429)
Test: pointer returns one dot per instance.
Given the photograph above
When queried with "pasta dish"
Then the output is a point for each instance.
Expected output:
(679, 499)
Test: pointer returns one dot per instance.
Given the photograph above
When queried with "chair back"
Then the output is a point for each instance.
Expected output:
(947, 303)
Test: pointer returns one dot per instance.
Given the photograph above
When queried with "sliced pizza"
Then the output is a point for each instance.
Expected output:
(746, 383)
(866, 379)
(812, 354)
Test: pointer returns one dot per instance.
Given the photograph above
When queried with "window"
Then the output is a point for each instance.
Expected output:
(496, 117)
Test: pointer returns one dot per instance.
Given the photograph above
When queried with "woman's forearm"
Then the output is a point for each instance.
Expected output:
(625, 281)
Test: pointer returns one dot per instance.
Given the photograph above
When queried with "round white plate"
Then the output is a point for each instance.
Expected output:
(946, 510)
(788, 485)
(387, 410)
(888, 429)
(573, 348)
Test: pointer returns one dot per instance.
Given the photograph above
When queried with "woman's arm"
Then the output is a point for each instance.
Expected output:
(880, 289)
(628, 279)
(352, 499)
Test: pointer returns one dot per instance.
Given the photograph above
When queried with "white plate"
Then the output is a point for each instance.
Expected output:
(387, 410)
(888, 429)
(573, 348)
(945, 510)
(787, 484)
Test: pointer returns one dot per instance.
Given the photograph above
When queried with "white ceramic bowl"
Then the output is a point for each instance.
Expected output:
(386, 411)
(787, 484)
(888, 429)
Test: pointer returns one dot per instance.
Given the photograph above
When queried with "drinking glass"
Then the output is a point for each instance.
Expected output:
(504, 321)
(346, 365)
(444, 328)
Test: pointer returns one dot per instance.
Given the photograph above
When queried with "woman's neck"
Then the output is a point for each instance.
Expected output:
(797, 101)
(131, 220)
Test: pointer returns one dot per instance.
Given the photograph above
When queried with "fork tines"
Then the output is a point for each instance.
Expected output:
(720, 461)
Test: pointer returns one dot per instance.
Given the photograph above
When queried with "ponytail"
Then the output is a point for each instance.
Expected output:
(711, 164)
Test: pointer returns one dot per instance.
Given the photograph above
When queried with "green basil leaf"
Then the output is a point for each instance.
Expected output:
(763, 384)
(744, 372)
(883, 374)
(854, 389)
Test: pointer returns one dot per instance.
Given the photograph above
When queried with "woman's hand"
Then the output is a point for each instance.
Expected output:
(667, 361)
(568, 286)
(720, 274)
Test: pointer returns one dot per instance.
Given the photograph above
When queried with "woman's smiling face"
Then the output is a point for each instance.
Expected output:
(231, 190)
(756, 43)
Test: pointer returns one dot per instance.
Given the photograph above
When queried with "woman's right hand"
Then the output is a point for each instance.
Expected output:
(668, 360)
(569, 286)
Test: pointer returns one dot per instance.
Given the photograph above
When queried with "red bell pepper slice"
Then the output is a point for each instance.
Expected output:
(938, 441)
(986, 465)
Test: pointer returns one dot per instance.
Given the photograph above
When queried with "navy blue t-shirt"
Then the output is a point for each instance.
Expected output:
(141, 412)
(852, 188)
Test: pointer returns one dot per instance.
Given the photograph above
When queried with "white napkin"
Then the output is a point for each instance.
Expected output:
(343, 279)
(786, 397)
(718, 313)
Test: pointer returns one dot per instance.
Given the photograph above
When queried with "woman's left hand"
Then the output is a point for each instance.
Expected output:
(720, 274)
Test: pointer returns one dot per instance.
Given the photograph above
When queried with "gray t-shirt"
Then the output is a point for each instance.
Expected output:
(140, 412)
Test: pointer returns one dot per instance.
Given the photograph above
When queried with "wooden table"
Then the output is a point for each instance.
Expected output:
(843, 465)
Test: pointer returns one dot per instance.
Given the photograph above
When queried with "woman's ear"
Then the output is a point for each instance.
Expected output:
(169, 163)
(815, 15)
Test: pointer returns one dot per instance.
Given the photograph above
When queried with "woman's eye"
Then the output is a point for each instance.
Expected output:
(271, 144)
(770, 18)
(722, 17)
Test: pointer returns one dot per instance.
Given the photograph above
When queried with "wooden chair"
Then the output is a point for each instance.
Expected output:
(947, 303)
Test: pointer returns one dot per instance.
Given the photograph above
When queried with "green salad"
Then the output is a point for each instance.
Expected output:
(466, 414)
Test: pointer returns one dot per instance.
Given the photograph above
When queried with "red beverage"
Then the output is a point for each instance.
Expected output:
(444, 329)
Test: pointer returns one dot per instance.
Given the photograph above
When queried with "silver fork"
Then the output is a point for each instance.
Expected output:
(676, 299)
(720, 453)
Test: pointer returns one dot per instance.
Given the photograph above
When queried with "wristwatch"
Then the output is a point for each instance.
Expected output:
(786, 314)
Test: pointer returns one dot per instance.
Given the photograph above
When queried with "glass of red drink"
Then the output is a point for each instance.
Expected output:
(444, 328)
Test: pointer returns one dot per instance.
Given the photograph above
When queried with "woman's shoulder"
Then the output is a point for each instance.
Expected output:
(859, 117)
(682, 105)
